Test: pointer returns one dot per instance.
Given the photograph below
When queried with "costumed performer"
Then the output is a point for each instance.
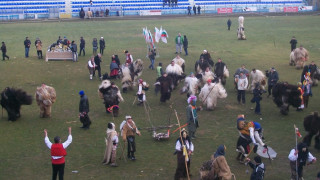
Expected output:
(192, 117)
(112, 141)
(129, 131)
(45, 97)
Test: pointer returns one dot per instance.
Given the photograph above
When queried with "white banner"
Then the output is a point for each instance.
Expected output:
(305, 8)
(150, 13)
(249, 9)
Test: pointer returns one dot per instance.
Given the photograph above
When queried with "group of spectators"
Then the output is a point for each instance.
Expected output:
(194, 10)
(91, 13)
(172, 3)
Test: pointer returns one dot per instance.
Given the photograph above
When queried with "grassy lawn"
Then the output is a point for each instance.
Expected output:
(25, 156)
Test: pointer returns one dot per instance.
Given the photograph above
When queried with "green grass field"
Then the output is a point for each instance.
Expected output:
(24, 155)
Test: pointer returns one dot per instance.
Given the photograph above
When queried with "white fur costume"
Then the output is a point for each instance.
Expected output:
(191, 85)
(210, 93)
(298, 57)
(207, 75)
(175, 69)
(126, 78)
(257, 77)
(179, 61)
(226, 72)
(240, 32)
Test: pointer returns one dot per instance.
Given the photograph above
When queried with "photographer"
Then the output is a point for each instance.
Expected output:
(257, 92)
(272, 79)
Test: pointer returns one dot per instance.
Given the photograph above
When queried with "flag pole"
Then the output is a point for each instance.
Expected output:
(295, 134)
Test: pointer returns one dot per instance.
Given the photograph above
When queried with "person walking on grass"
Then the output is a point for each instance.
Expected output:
(82, 46)
(4, 51)
(58, 152)
(27, 44)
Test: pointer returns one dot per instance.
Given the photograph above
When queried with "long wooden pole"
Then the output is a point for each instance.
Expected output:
(182, 144)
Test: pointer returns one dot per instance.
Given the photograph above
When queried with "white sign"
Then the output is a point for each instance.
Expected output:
(150, 13)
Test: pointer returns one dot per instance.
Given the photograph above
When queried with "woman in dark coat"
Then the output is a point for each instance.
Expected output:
(185, 44)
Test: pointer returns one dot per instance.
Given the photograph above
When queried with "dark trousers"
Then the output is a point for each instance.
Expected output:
(131, 146)
(181, 171)
(101, 50)
(257, 110)
(242, 96)
(186, 50)
(165, 96)
(99, 71)
(85, 120)
(4, 55)
(57, 168)
(84, 52)
(269, 89)
(39, 53)
(228, 27)
(305, 101)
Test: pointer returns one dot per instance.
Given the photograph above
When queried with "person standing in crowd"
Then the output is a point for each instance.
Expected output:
(59, 41)
(242, 82)
(300, 157)
(220, 166)
(82, 46)
(129, 58)
(229, 24)
(189, 10)
(159, 70)
(84, 110)
(114, 69)
(185, 44)
(38, 45)
(194, 10)
(112, 141)
(4, 51)
(293, 43)
(152, 55)
(74, 50)
(91, 66)
(184, 149)
(219, 68)
(82, 13)
(129, 131)
(306, 88)
(192, 117)
(272, 79)
(94, 46)
(102, 45)
(115, 58)
(97, 61)
(199, 9)
(179, 43)
(258, 168)
(257, 98)
(165, 87)
(58, 152)
(27, 44)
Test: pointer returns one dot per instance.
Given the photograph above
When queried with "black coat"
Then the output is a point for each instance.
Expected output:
(27, 43)
(185, 42)
(273, 78)
(102, 44)
(84, 104)
(82, 43)
(218, 69)
(3, 48)
(97, 61)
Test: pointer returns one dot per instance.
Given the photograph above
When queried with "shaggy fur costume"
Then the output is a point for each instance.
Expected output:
(12, 99)
(284, 95)
(298, 57)
(240, 32)
(207, 75)
(175, 72)
(216, 169)
(136, 70)
(191, 85)
(312, 126)
(111, 96)
(257, 77)
(209, 94)
(126, 79)
(180, 62)
(45, 96)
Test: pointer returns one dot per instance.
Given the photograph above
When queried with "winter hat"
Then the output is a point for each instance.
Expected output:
(257, 125)
(192, 98)
(257, 159)
(81, 92)
(128, 117)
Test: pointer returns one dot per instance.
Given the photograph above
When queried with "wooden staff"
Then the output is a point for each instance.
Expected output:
(182, 144)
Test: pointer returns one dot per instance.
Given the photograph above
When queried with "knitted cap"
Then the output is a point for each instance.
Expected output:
(257, 159)
(128, 117)
(81, 92)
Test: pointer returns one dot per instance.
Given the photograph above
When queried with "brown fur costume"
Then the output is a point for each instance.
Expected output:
(298, 57)
(45, 96)
(216, 169)
(312, 126)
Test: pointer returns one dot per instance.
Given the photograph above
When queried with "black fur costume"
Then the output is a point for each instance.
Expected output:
(111, 99)
(12, 99)
(312, 126)
(284, 95)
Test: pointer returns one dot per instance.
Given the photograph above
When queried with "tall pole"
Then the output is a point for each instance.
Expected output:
(295, 134)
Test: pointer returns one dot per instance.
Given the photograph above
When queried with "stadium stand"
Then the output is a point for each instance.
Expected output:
(36, 9)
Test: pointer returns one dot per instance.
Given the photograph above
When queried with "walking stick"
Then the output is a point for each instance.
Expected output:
(295, 134)
(122, 153)
(182, 145)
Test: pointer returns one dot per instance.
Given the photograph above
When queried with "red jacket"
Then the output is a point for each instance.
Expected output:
(58, 150)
